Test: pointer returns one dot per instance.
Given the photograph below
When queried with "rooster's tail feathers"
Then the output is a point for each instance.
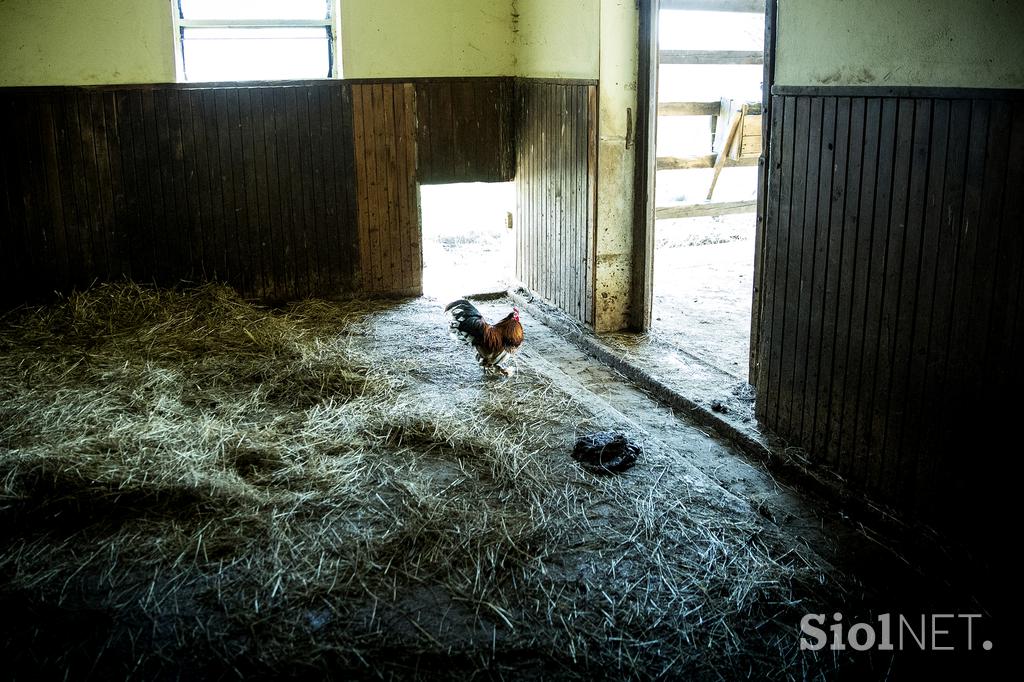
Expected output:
(464, 321)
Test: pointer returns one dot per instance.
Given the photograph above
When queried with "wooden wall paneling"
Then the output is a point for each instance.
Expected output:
(466, 147)
(130, 209)
(415, 239)
(48, 148)
(165, 183)
(806, 229)
(8, 246)
(568, 221)
(278, 191)
(344, 135)
(580, 195)
(83, 253)
(892, 284)
(577, 181)
(1006, 306)
(103, 227)
(819, 227)
(914, 423)
(386, 170)
(315, 252)
(291, 191)
(398, 267)
(988, 237)
(441, 165)
(118, 229)
(561, 231)
(167, 241)
(380, 210)
(556, 138)
(770, 257)
(818, 444)
(171, 239)
(524, 173)
(556, 228)
(394, 107)
(465, 130)
(524, 185)
(329, 203)
(319, 129)
(887, 266)
(771, 379)
(863, 459)
(15, 242)
(952, 379)
(853, 467)
(936, 380)
(217, 266)
(375, 194)
(540, 234)
(389, 202)
(187, 197)
(333, 134)
(405, 129)
(246, 211)
(1011, 264)
(910, 200)
(313, 240)
(848, 248)
(201, 201)
(85, 155)
(31, 196)
(424, 132)
(360, 136)
(247, 116)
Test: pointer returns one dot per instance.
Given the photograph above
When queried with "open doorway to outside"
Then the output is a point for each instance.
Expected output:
(708, 142)
(468, 243)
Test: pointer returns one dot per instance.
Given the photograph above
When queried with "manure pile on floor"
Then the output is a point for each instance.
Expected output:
(195, 484)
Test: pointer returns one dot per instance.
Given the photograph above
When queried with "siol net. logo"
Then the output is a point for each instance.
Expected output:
(888, 632)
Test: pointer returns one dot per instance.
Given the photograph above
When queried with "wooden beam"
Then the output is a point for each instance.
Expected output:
(642, 283)
(711, 57)
(685, 163)
(709, 208)
(748, 6)
(688, 108)
(723, 153)
(708, 161)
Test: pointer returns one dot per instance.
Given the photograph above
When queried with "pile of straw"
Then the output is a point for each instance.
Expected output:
(194, 483)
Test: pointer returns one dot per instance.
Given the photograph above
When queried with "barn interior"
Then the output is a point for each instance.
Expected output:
(236, 440)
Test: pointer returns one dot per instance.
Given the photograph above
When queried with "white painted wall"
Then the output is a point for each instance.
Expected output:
(942, 43)
(618, 64)
(557, 39)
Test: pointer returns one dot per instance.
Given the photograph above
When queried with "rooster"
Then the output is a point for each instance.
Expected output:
(494, 343)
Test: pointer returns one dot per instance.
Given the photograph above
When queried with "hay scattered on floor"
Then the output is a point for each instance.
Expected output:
(190, 482)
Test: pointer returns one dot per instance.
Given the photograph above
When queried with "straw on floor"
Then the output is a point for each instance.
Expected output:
(194, 482)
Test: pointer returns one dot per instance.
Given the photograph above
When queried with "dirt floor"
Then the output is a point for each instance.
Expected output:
(196, 487)
(703, 270)
(703, 284)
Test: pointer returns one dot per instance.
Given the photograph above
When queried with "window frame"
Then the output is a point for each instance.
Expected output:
(332, 23)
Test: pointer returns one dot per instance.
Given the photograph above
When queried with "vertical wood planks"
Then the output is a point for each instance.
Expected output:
(384, 124)
(465, 131)
(891, 286)
(253, 186)
(556, 192)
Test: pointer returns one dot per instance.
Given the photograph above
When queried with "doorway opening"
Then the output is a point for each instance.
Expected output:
(468, 243)
(709, 123)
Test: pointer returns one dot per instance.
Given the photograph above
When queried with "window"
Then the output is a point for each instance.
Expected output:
(233, 40)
